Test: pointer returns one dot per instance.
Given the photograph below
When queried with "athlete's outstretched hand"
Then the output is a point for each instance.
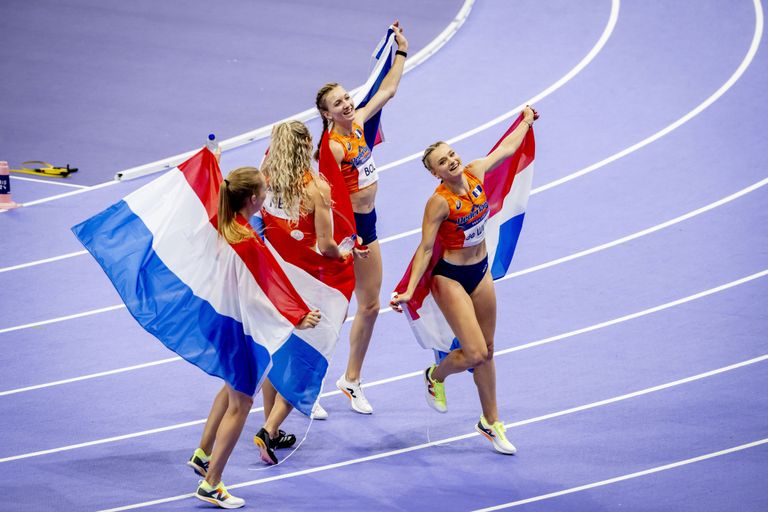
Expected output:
(530, 114)
(402, 42)
(310, 320)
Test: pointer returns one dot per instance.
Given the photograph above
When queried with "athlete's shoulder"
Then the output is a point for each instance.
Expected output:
(337, 148)
(321, 185)
(438, 204)
(469, 169)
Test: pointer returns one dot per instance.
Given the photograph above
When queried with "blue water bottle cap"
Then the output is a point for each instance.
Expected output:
(211, 136)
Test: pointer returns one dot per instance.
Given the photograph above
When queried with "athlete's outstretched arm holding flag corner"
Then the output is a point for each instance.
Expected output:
(352, 127)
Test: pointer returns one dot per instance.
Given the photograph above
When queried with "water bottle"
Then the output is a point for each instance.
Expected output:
(211, 143)
(347, 244)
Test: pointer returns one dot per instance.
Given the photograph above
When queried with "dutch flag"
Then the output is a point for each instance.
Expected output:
(225, 308)
(382, 58)
(324, 283)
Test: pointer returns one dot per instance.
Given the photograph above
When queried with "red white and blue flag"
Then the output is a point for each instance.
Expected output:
(225, 308)
(324, 283)
(381, 59)
(507, 188)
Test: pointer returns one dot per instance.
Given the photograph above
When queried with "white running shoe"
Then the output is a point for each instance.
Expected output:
(318, 413)
(217, 495)
(495, 433)
(354, 392)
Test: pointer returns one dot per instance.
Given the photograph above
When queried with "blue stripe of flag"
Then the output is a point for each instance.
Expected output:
(371, 126)
(297, 373)
(509, 232)
(166, 307)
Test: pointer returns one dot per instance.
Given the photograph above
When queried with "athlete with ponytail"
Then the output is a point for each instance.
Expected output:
(241, 195)
(344, 124)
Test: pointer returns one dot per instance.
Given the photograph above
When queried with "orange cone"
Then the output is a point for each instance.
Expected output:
(6, 203)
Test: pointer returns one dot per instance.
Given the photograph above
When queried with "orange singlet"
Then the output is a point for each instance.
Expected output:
(357, 167)
(465, 225)
(302, 231)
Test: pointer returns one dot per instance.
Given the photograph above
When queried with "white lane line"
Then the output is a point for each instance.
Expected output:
(422, 446)
(265, 131)
(552, 263)
(645, 312)
(638, 234)
(69, 194)
(62, 318)
(90, 376)
(629, 476)
(418, 373)
(43, 261)
(49, 182)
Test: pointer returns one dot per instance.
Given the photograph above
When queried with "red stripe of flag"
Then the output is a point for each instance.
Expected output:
(498, 182)
(203, 175)
(343, 216)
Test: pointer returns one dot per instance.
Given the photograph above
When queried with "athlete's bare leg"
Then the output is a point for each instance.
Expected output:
(368, 273)
(218, 409)
(239, 405)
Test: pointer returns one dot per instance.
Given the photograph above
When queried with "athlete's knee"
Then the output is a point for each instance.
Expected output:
(240, 404)
(476, 357)
(369, 308)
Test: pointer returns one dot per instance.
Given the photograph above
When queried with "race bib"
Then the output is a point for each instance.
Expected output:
(367, 174)
(475, 234)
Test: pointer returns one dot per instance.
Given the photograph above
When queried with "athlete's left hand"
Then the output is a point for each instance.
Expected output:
(310, 320)
(360, 250)
(398, 299)
(402, 42)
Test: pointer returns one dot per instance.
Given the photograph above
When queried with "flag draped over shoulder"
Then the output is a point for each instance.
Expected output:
(225, 308)
(507, 188)
(382, 59)
(324, 283)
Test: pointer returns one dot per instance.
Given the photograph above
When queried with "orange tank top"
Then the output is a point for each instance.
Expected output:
(465, 225)
(302, 231)
(357, 166)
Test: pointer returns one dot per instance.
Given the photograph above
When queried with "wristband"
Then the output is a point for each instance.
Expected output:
(401, 52)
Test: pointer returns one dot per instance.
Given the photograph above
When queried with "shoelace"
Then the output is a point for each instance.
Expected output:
(500, 429)
(359, 392)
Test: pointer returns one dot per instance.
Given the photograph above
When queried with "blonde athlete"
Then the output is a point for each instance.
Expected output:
(462, 286)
